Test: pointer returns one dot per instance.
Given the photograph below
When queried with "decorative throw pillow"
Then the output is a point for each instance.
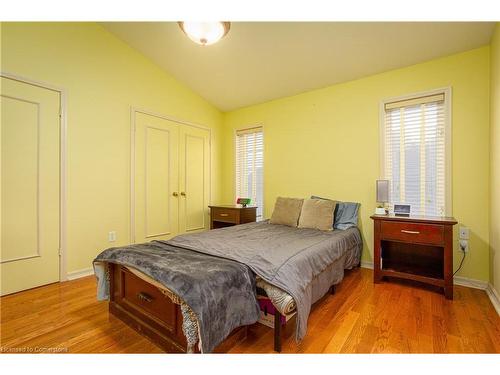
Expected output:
(286, 211)
(317, 214)
(334, 212)
(345, 215)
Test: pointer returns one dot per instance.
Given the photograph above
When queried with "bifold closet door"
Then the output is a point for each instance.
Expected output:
(30, 182)
(194, 184)
(156, 203)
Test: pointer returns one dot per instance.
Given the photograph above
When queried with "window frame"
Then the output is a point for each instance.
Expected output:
(235, 146)
(447, 91)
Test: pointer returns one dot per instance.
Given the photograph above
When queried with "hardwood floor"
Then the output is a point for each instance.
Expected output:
(360, 318)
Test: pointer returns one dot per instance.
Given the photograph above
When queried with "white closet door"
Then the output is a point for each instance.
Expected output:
(29, 205)
(156, 178)
(194, 158)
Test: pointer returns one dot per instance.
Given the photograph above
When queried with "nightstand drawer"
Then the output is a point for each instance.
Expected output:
(225, 215)
(228, 215)
(412, 232)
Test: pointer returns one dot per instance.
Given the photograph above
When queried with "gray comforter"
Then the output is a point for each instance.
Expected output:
(221, 292)
(289, 258)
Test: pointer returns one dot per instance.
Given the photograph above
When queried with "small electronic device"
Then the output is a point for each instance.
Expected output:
(243, 201)
(402, 210)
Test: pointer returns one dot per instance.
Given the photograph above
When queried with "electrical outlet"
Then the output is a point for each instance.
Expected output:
(464, 245)
(463, 232)
(112, 236)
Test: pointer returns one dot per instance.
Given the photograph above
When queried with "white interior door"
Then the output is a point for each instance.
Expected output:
(30, 182)
(194, 179)
(156, 178)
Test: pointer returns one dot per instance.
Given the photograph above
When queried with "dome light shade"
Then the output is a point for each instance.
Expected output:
(205, 33)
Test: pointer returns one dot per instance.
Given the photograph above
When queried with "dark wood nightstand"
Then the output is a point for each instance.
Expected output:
(228, 215)
(415, 248)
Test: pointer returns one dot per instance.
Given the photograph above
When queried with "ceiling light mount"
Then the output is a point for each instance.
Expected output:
(205, 33)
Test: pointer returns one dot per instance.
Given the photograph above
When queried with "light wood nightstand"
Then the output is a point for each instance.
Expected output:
(228, 215)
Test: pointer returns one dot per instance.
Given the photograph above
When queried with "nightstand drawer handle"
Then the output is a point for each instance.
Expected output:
(224, 215)
(409, 231)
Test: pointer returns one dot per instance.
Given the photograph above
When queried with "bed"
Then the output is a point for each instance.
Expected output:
(196, 292)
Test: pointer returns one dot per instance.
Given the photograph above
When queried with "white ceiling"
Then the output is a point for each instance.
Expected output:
(261, 61)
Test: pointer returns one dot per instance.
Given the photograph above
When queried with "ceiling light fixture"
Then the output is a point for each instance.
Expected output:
(205, 33)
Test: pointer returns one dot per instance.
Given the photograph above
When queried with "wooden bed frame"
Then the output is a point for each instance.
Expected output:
(148, 311)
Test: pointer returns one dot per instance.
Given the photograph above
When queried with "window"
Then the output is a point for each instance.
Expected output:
(415, 155)
(250, 167)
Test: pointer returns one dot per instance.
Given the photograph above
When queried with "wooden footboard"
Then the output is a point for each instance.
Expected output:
(148, 311)
(151, 313)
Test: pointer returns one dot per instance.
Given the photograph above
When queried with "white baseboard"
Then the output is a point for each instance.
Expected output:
(365, 264)
(494, 297)
(471, 283)
(465, 281)
(80, 273)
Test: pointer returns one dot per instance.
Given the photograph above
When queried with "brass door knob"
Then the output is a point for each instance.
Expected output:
(183, 193)
(175, 194)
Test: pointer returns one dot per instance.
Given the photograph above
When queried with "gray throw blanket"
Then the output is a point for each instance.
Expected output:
(289, 258)
(221, 292)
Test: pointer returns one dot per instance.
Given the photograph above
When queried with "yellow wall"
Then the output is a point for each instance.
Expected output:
(495, 160)
(103, 78)
(326, 142)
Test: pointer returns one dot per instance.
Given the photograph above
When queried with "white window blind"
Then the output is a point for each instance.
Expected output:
(415, 154)
(250, 167)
